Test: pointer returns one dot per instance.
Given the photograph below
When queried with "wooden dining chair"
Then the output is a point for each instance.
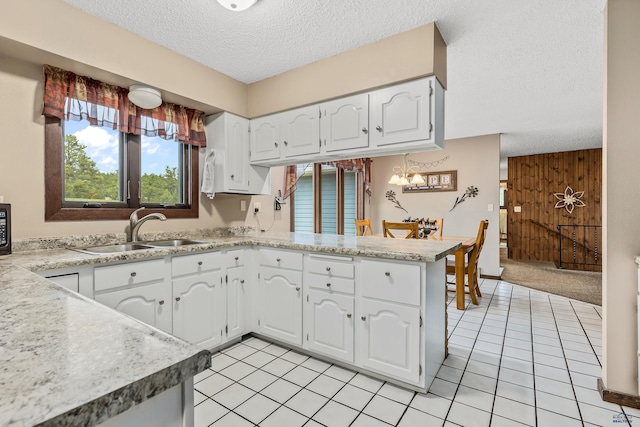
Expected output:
(363, 224)
(474, 256)
(412, 228)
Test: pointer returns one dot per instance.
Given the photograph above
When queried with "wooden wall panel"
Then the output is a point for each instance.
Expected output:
(532, 234)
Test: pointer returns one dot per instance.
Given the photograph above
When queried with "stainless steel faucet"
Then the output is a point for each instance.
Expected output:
(135, 223)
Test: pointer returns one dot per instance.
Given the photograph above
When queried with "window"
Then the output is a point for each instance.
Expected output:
(337, 200)
(96, 172)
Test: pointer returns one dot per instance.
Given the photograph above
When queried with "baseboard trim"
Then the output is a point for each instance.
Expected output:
(618, 398)
(487, 276)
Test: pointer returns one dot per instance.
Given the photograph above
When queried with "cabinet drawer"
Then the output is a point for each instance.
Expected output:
(234, 258)
(133, 273)
(281, 259)
(390, 281)
(196, 263)
(330, 266)
(330, 283)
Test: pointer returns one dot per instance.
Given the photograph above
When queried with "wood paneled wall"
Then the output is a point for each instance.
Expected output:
(532, 234)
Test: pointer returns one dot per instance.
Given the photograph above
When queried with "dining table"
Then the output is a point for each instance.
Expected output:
(467, 245)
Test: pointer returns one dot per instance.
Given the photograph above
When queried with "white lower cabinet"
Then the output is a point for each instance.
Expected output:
(150, 304)
(329, 324)
(199, 309)
(139, 289)
(390, 339)
(235, 291)
(279, 295)
(281, 299)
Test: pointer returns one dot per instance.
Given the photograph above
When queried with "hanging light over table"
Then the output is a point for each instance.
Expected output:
(401, 174)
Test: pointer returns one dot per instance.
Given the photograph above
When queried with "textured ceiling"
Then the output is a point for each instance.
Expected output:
(530, 70)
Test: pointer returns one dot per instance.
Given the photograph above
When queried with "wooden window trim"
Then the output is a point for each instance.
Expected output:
(53, 172)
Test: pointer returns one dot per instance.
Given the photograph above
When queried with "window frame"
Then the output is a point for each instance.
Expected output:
(55, 209)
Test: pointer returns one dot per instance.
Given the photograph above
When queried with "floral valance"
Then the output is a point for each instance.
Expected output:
(360, 166)
(68, 96)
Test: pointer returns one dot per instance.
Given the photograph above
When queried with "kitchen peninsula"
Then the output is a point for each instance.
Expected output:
(70, 360)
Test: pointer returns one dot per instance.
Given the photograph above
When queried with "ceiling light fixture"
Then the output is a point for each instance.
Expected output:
(237, 5)
(401, 174)
(144, 96)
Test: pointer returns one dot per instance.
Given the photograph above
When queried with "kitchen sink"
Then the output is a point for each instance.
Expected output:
(174, 243)
(110, 249)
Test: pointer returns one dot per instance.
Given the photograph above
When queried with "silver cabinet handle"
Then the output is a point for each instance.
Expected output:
(232, 175)
(365, 131)
(298, 288)
(242, 281)
(199, 262)
(276, 144)
(378, 128)
(277, 259)
(328, 268)
(133, 274)
(161, 302)
(348, 315)
(328, 285)
(236, 258)
(177, 299)
(364, 318)
(286, 143)
(386, 273)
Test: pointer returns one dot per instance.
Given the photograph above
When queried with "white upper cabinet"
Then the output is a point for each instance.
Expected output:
(401, 114)
(404, 118)
(300, 131)
(265, 138)
(345, 123)
(228, 137)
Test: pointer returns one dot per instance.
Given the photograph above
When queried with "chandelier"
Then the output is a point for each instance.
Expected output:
(401, 174)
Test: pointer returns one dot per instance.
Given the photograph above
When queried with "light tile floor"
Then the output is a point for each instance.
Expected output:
(520, 358)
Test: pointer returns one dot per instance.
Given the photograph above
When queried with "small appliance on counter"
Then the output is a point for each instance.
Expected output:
(5, 228)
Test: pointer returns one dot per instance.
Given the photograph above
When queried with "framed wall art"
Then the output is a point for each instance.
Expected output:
(434, 181)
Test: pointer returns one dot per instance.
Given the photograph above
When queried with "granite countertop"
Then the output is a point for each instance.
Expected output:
(68, 360)
(378, 247)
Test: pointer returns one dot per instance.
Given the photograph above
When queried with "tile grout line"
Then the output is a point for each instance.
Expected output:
(575, 396)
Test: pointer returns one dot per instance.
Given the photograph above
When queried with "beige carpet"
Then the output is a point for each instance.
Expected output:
(544, 276)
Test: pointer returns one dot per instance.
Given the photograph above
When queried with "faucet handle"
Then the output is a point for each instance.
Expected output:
(134, 215)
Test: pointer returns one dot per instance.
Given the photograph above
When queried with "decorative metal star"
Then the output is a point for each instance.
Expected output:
(569, 199)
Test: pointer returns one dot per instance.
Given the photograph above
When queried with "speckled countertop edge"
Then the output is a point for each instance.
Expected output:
(68, 360)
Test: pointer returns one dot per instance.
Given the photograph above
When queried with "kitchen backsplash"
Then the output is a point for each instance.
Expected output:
(38, 243)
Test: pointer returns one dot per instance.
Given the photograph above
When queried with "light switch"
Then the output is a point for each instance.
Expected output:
(243, 205)
(490, 207)
(517, 208)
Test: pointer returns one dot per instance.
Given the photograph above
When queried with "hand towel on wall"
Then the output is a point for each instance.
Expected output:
(207, 175)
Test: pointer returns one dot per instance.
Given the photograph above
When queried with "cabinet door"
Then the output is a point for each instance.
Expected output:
(345, 123)
(150, 304)
(329, 324)
(301, 131)
(237, 154)
(199, 309)
(281, 304)
(389, 339)
(401, 114)
(235, 302)
(265, 138)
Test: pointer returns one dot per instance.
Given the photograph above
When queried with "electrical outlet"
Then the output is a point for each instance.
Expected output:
(243, 205)
(257, 207)
(490, 207)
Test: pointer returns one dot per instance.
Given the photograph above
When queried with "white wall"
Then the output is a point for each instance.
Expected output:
(621, 151)
(477, 161)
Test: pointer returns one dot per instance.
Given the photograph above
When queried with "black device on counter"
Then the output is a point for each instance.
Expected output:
(5, 228)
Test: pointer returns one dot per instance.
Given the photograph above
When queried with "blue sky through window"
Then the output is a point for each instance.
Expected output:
(102, 147)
